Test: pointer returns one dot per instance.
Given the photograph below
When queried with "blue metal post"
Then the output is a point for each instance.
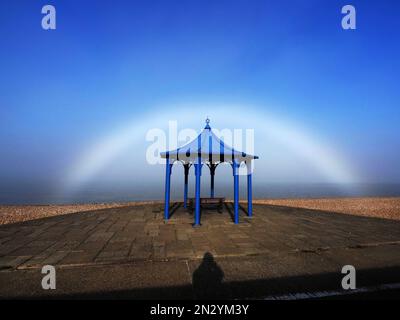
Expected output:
(197, 168)
(185, 191)
(198, 175)
(236, 191)
(211, 165)
(249, 195)
(212, 184)
(167, 189)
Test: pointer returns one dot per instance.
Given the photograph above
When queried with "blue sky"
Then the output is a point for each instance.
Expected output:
(108, 61)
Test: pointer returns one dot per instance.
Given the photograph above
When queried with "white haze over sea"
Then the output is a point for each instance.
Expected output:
(101, 193)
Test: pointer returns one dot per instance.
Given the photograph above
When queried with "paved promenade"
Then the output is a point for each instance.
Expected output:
(130, 252)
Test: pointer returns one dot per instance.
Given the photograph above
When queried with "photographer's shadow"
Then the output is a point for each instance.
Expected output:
(207, 279)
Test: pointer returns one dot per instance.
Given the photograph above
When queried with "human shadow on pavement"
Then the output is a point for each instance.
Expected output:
(207, 279)
(245, 289)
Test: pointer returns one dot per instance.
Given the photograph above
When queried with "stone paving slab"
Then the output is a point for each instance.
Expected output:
(143, 280)
(222, 277)
(139, 233)
(156, 259)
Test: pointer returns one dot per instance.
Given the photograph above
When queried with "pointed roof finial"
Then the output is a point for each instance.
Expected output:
(207, 123)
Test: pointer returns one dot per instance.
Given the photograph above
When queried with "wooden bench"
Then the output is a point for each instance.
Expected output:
(208, 203)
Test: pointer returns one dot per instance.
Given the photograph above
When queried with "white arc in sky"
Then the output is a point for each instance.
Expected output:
(318, 154)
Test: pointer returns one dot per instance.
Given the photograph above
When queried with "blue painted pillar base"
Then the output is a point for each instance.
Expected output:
(185, 191)
(235, 166)
(212, 167)
(212, 186)
(167, 190)
(198, 175)
(197, 168)
(249, 196)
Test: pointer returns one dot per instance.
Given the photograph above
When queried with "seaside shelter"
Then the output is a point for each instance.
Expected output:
(207, 149)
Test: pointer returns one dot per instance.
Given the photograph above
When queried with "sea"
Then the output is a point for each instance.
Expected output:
(37, 194)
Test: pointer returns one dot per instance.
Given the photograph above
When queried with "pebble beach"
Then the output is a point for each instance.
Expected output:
(387, 208)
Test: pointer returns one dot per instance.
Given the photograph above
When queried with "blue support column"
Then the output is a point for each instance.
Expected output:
(185, 191)
(236, 191)
(249, 195)
(249, 188)
(212, 167)
(197, 168)
(198, 175)
(167, 189)
(212, 184)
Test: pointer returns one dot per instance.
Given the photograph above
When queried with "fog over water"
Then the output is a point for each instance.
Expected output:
(100, 193)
